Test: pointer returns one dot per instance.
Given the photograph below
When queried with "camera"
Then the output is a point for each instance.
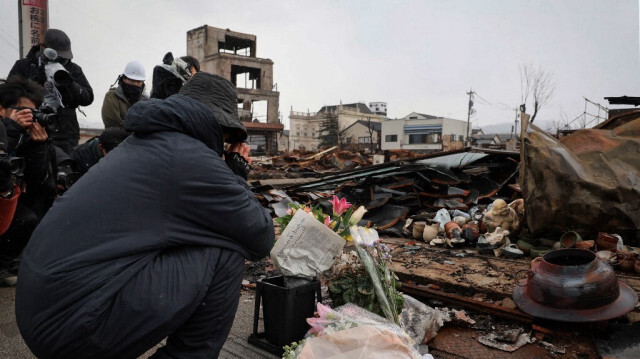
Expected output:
(54, 70)
(66, 176)
(14, 164)
(45, 116)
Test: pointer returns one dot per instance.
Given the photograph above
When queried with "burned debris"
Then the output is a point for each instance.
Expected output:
(459, 230)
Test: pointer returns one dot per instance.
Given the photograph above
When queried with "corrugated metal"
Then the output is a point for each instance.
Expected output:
(453, 160)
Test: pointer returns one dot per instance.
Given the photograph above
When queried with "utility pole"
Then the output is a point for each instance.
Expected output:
(33, 22)
(515, 128)
(470, 93)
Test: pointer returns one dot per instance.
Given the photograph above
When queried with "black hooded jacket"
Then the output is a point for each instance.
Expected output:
(164, 187)
(79, 93)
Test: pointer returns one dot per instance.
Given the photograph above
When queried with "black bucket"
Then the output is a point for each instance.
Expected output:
(286, 305)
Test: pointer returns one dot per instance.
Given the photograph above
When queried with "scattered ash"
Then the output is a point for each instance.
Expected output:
(257, 270)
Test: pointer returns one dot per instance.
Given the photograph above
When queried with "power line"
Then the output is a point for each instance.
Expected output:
(483, 100)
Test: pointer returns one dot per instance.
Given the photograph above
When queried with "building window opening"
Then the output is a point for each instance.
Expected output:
(237, 46)
(391, 138)
(245, 77)
(433, 138)
(259, 111)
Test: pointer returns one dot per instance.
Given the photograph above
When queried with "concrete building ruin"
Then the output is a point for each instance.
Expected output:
(233, 55)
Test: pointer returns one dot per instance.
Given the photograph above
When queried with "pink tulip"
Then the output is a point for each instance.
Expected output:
(340, 205)
(327, 221)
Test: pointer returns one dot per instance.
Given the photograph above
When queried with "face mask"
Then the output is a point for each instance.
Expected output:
(131, 92)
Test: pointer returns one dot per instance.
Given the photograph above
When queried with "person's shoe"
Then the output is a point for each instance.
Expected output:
(7, 279)
(14, 267)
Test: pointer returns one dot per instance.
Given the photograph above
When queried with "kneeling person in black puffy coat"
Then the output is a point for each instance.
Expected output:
(151, 242)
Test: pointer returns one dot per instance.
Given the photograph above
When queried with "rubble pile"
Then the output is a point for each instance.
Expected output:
(299, 164)
(462, 232)
(392, 191)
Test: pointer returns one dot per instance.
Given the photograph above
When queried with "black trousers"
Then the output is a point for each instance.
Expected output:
(13, 241)
(187, 294)
(206, 330)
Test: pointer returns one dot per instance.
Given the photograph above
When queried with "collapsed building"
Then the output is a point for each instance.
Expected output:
(585, 184)
(233, 55)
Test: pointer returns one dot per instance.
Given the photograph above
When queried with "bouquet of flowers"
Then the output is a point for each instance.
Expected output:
(343, 216)
(365, 277)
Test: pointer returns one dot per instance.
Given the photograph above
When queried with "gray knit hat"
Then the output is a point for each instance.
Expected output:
(219, 94)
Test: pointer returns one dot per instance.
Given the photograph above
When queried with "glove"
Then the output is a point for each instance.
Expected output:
(238, 164)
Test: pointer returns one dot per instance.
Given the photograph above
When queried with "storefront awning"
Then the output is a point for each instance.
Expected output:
(422, 129)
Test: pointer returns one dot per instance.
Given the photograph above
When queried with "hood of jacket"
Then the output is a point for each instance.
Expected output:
(177, 113)
(34, 53)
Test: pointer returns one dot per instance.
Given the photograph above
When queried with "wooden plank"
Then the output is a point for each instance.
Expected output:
(474, 273)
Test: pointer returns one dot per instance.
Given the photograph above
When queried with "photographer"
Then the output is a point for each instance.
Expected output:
(89, 153)
(8, 191)
(73, 90)
(25, 138)
(169, 76)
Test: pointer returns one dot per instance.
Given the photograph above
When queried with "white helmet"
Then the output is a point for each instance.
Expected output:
(135, 71)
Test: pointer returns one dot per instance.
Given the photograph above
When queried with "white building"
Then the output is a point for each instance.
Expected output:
(305, 127)
(423, 133)
(379, 108)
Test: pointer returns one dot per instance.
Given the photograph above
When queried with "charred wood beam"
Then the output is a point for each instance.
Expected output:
(492, 309)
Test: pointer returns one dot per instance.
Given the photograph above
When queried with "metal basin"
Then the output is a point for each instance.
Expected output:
(572, 285)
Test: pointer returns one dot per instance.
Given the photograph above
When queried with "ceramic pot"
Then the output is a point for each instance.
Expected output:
(609, 257)
(460, 220)
(430, 232)
(438, 241)
(627, 261)
(573, 285)
(585, 244)
(455, 242)
(452, 229)
(606, 242)
(470, 232)
(569, 239)
(512, 251)
(418, 228)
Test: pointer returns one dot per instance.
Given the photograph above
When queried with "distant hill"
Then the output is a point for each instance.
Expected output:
(506, 127)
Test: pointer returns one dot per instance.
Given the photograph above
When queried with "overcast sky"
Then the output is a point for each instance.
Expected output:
(420, 56)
